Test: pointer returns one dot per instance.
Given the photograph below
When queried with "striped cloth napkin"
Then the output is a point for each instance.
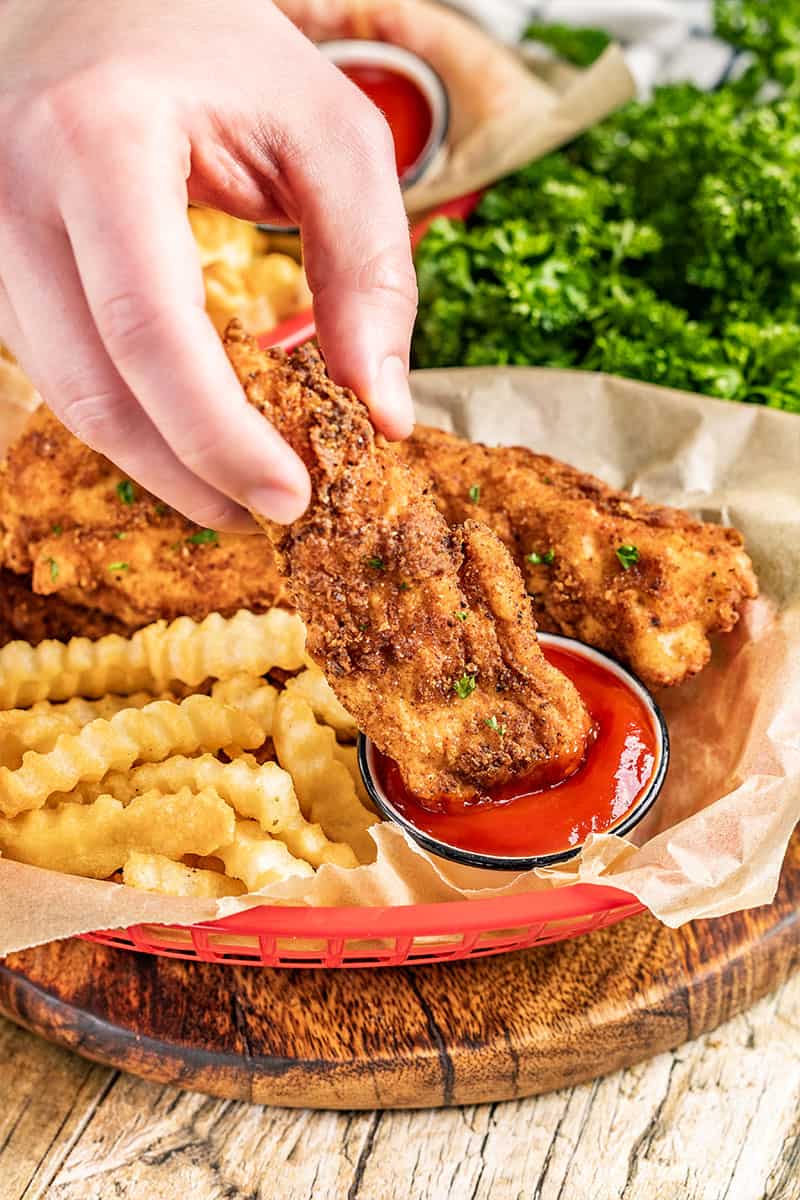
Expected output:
(665, 41)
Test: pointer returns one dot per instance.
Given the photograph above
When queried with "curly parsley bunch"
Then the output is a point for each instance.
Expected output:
(663, 245)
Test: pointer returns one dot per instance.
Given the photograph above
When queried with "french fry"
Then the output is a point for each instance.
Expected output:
(155, 873)
(312, 686)
(146, 735)
(38, 728)
(264, 794)
(184, 651)
(258, 860)
(323, 784)
(217, 648)
(251, 694)
(95, 839)
(242, 756)
(349, 756)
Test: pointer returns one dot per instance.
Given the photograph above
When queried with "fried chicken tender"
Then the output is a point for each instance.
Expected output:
(31, 618)
(681, 579)
(72, 522)
(424, 632)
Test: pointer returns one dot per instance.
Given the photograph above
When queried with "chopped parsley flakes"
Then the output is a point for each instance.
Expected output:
(54, 568)
(627, 555)
(475, 493)
(126, 491)
(500, 730)
(203, 537)
(547, 558)
(118, 566)
(464, 686)
(376, 562)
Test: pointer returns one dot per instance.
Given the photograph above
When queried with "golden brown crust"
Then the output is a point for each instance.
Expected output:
(689, 582)
(30, 618)
(63, 522)
(381, 580)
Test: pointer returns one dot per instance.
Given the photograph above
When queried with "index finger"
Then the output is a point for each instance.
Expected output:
(126, 220)
(357, 252)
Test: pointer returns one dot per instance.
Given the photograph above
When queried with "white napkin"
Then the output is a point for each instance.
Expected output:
(664, 40)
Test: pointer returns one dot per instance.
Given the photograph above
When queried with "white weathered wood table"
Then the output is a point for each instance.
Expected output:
(718, 1119)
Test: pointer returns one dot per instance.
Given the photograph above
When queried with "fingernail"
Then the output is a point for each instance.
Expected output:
(393, 398)
(277, 504)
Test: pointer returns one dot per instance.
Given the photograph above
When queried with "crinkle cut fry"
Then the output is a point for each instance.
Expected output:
(149, 734)
(38, 728)
(184, 651)
(325, 789)
(258, 859)
(156, 873)
(264, 794)
(95, 839)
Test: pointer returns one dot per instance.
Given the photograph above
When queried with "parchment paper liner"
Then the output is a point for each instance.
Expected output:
(716, 840)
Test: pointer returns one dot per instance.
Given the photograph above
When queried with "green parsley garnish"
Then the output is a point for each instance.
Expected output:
(404, 587)
(363, 626)
(495, 728)
(120, 566)
(577, 45)
(53, 569)
(627, 555)
(58, 530)
(547, 558)
(126, 491)
(660, 245)
(464, 686)
(203, 537)
(120, 536)
(475, 493)
(376, 563)
(462, 615)
(161, 510)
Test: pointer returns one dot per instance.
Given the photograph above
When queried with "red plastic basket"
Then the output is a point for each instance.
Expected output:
(412, 934)
(277, 936)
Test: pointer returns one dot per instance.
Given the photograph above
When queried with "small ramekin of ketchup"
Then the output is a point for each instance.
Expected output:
(407, 90)
(519, 827)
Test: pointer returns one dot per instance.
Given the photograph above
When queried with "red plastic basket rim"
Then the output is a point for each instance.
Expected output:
(575, 901)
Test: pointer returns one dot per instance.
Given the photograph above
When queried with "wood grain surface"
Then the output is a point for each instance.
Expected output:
(492, 1029)
(716, 1119)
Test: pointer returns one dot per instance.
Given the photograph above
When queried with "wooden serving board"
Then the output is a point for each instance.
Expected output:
(462, 1033)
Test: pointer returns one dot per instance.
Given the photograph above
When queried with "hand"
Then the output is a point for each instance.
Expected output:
(114, 116)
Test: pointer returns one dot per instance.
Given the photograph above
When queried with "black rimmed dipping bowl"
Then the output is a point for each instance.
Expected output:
(472, 858)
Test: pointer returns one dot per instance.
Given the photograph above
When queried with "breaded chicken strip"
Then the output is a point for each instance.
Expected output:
(425, 632)
(71, 521)
(30, 618)
(646, 583)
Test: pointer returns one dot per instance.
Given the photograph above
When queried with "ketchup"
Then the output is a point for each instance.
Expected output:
(402, 103)
(517, 822)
